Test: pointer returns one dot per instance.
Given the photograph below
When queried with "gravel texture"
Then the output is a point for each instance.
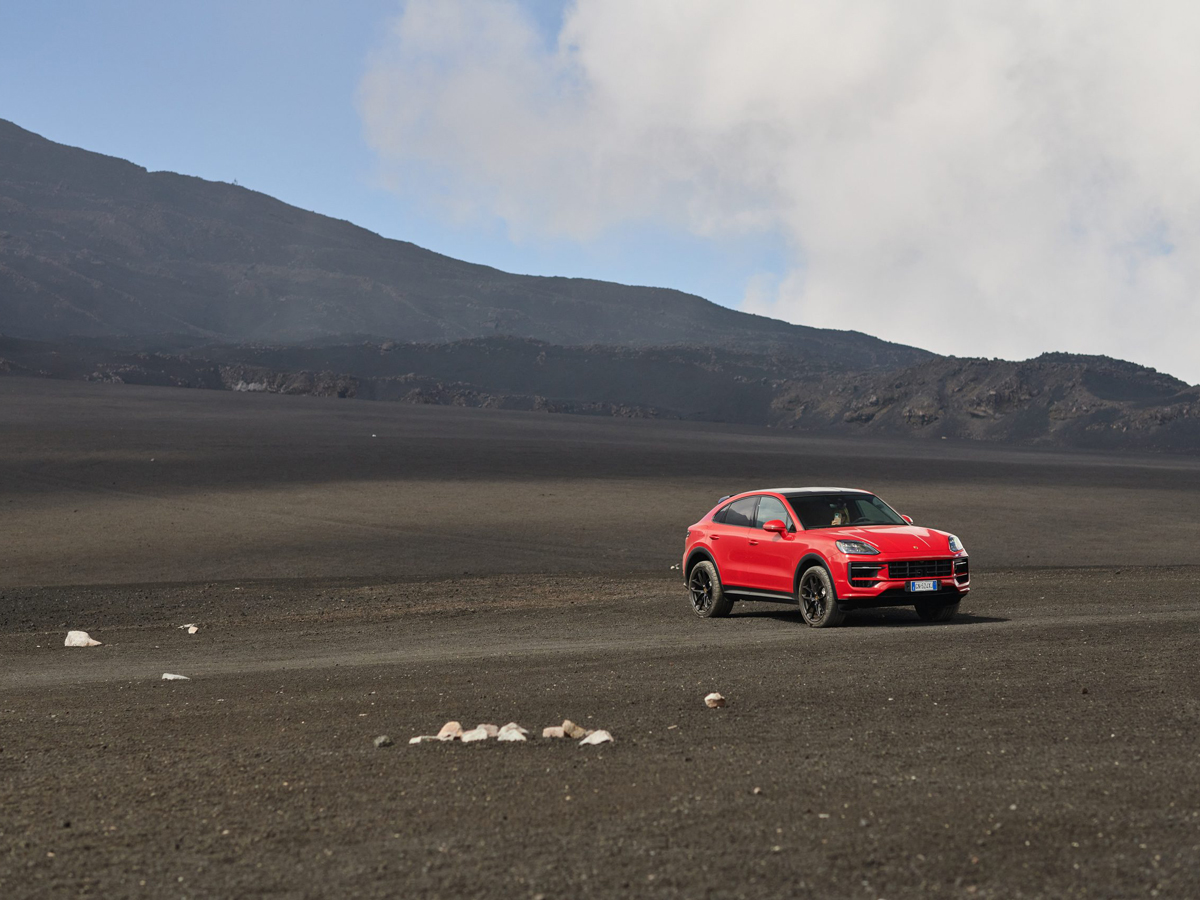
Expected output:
(1042, 744)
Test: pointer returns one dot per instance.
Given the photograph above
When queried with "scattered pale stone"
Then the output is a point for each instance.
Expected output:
(757, 790)
(492, 730)
(573, 731)
(80, 639)
(513, 726)
(475, 734)
(383, 741)
(596, 737)
(421, 739)
(554, 731)
(450, 731)
(190, 628)
(714, 700)
(167, 676)
(510, 736)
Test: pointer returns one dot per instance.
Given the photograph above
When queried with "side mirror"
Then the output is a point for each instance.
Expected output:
(776, 526)
(907, 519)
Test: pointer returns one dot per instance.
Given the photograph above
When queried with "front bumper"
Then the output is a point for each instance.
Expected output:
(883, 582)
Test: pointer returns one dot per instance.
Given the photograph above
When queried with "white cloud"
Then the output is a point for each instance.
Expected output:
(978, 178)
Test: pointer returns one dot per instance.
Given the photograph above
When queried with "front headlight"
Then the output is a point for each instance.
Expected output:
(860, 548)
(955, 544)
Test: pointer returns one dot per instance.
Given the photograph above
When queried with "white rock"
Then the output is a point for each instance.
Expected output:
(190, 628)
(492, 730)
(554, 731)
(714, 700)
(167, 676)
(571, 730)
(450, 731)
(475, 734)
(510, 736)
(596, 737)
(421, 739)
(80, 639)
(383, 741)
(513, 726)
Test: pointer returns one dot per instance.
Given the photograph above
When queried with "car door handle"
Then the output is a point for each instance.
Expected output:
(753, 542)
(714, 537)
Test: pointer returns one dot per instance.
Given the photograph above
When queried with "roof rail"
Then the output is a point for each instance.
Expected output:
(726, 497)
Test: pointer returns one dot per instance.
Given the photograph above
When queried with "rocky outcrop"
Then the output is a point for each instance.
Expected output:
(1057, 399)
(254, 379)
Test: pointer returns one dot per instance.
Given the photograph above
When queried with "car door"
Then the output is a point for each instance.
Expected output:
(729, 540)
(771, 558)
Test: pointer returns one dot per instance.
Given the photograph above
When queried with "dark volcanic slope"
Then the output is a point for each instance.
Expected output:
(96, 246)
(1057, 399)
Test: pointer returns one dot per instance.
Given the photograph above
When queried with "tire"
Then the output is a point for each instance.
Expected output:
(818, 600)
(937, 612)
(705, 593)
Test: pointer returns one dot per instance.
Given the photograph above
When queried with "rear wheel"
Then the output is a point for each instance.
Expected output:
(707, 597)
(818, 602)
(937, 612)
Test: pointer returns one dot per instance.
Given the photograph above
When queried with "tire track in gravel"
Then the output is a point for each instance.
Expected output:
(140, 654)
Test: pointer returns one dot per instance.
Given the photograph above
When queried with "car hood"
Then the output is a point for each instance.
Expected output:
(897, 540)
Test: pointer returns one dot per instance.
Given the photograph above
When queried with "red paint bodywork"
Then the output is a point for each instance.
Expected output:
(755, 563)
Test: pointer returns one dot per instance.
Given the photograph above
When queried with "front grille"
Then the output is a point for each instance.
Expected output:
(920, 568)
(864, 574)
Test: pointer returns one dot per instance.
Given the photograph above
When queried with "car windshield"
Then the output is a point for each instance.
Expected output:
(835, 510)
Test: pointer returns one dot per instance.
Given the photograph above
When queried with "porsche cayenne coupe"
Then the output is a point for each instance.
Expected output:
(827, 550)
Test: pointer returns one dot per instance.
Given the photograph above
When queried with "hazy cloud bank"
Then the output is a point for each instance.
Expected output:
(974, 178)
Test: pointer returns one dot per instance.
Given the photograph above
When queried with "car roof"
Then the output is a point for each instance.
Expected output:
(814, 490)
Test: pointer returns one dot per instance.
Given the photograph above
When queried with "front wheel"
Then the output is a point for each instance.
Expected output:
(937, 612)
(818, 602)
(707, 597)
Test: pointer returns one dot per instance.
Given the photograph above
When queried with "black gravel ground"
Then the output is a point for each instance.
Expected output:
(1043, 744)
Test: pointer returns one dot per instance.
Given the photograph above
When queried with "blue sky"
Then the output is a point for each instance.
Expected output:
(263, 91)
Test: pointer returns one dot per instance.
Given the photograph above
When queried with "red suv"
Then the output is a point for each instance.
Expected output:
(828, 550)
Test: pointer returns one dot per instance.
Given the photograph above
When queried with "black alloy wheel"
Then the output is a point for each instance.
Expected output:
(818, 602)
(705, 592)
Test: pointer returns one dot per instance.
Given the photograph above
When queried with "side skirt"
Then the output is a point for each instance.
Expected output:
(742, 593)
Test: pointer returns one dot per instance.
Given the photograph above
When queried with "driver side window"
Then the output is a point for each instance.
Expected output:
(769, 508)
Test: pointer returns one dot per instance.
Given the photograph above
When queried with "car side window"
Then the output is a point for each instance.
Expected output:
(770, 508)
(719, 515)
(741, 512)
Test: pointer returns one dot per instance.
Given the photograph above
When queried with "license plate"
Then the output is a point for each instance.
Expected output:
(931, 585)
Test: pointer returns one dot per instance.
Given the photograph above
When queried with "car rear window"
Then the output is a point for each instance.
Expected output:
(741, 512)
